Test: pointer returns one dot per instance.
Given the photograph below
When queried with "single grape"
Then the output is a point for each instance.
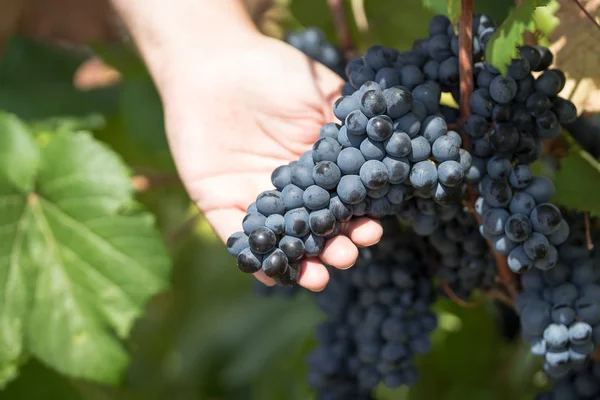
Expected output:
(262, 240)
(330, 129)
(296, 222)
(326, 149)
(236, 243)
(433, 127)
(411, 76)
(532, 55)
(344, 106)
(520, 176)
(518, 261)
(387, 77)
(549, 83)
(546, 218)
(282, 176)
(429, 94)
(347, 140)
(275, 263)
(398, 145)
(270, 202)
(537, 103)
(408, 123)
(518, 227)
(481, 102)
(248, 261)
(494, 220)
(356, 123)
(503, 89)
(292, 196)
(252, 221)
(536, 246)
(373, 103)
(372, 150)
(374, 174)
(380, 128)
(302, 175)
(445, 148)
(276, 223)
(450, 173)
(351, 189)
(327, 174)
(541, 189)
(499, 168)
(321, 222)
(293, 247)
(398, 100)
(315, 197)
(423, 175)
(398, 168)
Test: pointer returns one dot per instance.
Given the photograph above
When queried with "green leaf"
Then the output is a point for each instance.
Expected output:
(502, 47)
(578, 170)
(76, 267)
(19, 155)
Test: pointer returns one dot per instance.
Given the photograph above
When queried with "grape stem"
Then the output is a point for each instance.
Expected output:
(465, 64)
(586, 13)
(338, 13)
(450, 293)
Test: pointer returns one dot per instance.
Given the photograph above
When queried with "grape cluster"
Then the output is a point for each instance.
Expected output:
(389, 148)
(312, 42)
(378, 319)
(517, 218)
(434, 58)
(581, 384)
(560, 307)
(393, 154)
(465, 262)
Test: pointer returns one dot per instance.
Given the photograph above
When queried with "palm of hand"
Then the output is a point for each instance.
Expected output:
(265, 111)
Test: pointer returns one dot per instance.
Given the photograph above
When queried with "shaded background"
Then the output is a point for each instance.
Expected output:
(210, 337)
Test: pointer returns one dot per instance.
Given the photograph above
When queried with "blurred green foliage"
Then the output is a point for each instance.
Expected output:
(209, 337)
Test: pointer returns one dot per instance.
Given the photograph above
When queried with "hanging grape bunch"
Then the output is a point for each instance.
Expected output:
(461, 208)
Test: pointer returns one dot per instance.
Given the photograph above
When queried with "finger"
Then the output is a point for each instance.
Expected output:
(260, 275)
(313, 275)
(363, 231)
(339, 252)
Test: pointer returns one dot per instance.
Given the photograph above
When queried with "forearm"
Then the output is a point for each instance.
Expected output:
(183, 31)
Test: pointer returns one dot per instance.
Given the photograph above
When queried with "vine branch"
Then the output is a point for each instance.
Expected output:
(342, 31)
(465, 64)
(587, 13)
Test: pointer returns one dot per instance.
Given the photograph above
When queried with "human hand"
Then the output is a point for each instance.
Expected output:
(235, 118)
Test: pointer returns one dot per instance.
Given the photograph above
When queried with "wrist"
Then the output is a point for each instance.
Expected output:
(187, 38)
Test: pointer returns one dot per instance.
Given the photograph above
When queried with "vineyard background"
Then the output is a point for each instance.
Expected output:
(209, 336)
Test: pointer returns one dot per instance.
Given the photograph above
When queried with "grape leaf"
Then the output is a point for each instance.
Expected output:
(502, 47)
(19, 155)
(76, 265)
(578, 170)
